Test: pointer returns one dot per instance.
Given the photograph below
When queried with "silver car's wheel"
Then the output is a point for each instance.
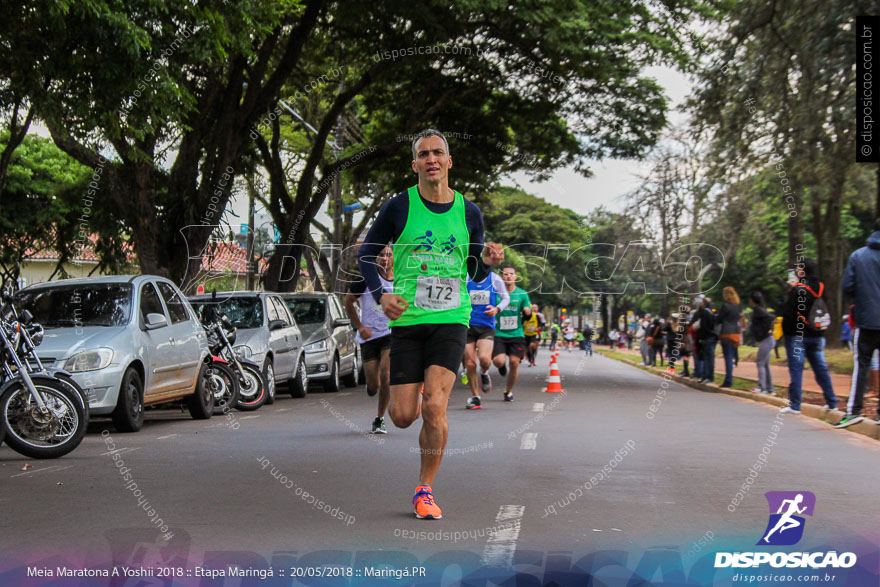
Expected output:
(269, 377)
(331, 384)
(351, 379)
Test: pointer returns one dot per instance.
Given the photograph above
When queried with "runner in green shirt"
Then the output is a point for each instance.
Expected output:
(510, 341)
(437, 238)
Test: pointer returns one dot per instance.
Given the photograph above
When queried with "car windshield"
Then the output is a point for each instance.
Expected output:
(100, 304)
(242, 312)
(307, 310)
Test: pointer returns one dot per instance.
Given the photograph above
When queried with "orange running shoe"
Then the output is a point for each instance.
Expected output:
(423, 504)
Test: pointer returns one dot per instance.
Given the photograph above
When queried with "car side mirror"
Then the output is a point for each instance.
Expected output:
(341, 322)
(276, 324)
(154, 321)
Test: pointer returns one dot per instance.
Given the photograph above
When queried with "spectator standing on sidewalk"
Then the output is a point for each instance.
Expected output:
(704, 326)
(655, 342)
(730, 317)
(777, 335)
(641, 335)
(804, 337)
(761, 328)
(861, 280)
(846, 333)
(692, 331)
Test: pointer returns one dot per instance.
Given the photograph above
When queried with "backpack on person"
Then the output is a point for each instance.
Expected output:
(819, 318)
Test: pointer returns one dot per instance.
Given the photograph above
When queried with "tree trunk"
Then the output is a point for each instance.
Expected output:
(831, 263)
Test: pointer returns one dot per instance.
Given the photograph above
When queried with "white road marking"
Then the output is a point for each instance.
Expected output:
(282, 410)
(120, 451)
(500, 547)
(538, 408)
(167, 436)
(249, 417)
(529, 441)
(52, 468)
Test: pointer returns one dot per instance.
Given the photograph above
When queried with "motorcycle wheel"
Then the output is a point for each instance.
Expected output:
(251, 389)
(42, 435)
(221, 381)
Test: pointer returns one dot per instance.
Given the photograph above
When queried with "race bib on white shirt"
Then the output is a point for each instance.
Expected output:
(438, 293)
(508, 322)
(480, 297)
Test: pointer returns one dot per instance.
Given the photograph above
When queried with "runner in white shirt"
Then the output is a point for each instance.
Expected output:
(374, 335)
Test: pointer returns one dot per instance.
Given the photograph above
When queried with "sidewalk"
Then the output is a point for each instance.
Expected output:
(811, 407)
(812, 391)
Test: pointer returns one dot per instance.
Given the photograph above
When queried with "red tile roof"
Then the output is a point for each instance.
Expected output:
(223, 257)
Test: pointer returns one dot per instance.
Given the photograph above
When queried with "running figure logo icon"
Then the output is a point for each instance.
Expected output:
(426, 242)
(786, 526)
(448, 245)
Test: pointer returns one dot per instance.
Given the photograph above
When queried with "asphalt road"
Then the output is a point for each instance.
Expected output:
(530, 471)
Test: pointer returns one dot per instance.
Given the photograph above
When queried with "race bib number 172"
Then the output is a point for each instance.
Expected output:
(437, 293)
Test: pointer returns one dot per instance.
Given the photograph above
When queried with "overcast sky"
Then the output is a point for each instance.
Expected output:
(612, 178)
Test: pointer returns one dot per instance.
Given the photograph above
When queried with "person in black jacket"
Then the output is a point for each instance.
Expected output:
(706, 339)
(655, 350)
(802, 340)
(761, 329)
(861, 280)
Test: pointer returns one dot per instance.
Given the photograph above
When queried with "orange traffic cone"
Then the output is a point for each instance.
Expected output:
(554, 382)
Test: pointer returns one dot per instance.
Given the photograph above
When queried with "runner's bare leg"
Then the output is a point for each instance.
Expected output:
(384, 378)
(435, 427)
(513, 373)
(470, 364)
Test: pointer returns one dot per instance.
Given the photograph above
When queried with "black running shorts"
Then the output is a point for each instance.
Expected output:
(415, 348)
(372, 349)
(512, 347)
(476, 333)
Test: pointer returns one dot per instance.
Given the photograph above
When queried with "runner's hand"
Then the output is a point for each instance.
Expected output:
(393, 305)
(491, 311)
(493, 254)
(365, 332)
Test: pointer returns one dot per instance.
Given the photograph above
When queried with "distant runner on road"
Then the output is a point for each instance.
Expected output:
(509, 338)
(488, 298)
(437, 237)
(374, 335)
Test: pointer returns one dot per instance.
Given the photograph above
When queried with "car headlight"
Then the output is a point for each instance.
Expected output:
(243, 351)
(89, 360)
(316, 347)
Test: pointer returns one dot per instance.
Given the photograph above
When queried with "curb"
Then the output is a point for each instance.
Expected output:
(866, 427)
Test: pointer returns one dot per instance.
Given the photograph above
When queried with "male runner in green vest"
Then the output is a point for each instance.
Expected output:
(437, 236)
(510, 341)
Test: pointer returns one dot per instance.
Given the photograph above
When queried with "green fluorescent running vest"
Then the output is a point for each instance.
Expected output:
(430, 264)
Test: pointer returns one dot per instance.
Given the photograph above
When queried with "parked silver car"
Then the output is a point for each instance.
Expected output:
(330, 349)
(129, 341)
(266, 334)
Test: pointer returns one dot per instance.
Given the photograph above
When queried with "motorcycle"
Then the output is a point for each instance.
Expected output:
(252, 392)
(219, 377)
(43, 412)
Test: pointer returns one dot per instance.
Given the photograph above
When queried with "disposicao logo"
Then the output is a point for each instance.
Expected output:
(785, 528)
